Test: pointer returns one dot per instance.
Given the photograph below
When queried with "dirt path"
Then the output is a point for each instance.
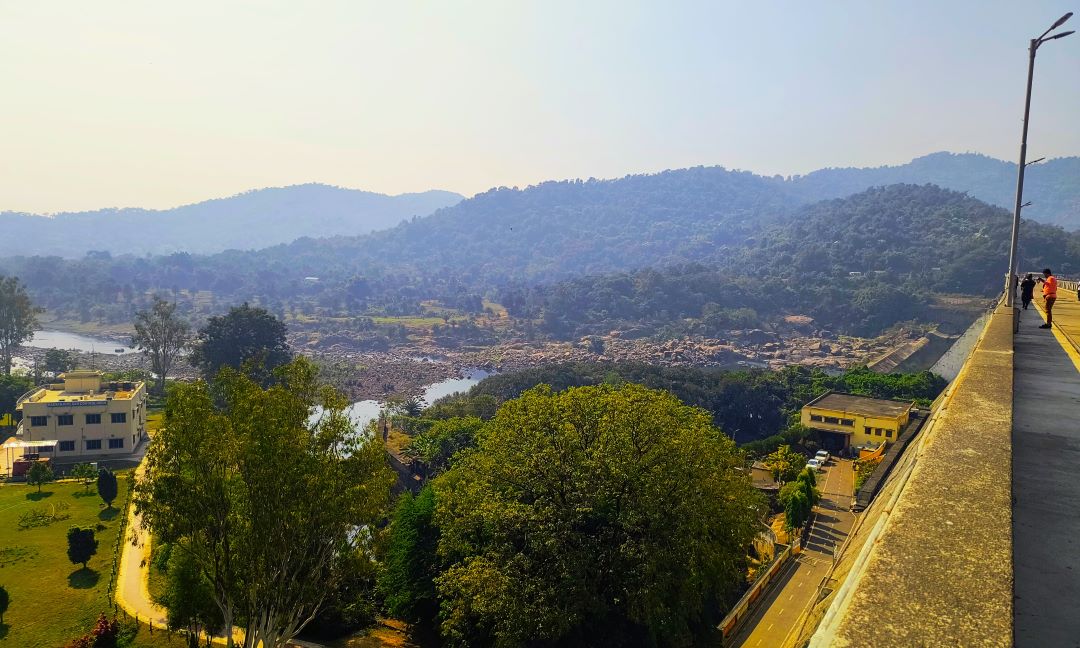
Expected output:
(132, 593)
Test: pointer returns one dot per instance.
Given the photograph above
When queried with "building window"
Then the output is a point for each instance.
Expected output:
(877, 432)
(847, 422)
(832, 420)
(816, 418)
(119, 417)
(93, 444)
(39, 421)
(867, 430)
(65, 419)
(93, 419)
(67, 446)
(888, 433)
(116, 443)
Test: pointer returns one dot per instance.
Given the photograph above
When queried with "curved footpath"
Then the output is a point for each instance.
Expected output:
(132, 593)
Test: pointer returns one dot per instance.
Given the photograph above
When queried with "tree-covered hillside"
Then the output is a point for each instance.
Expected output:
(560, 229)
(904, 242)
(759, 252)
(1053, 187)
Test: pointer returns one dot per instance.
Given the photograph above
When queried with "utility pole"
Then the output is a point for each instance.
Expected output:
(1010, 278)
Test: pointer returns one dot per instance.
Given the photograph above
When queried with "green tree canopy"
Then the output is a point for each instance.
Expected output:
(807, 485)
(797, 509)
(40, 473)
(18, 319)
(107, 486)
(436, 445)
(785, 463)
(187, 596)
(268, 501)
(58, 361)
(248, 338)
(604, 511)
(161, 334)
(85, 473)
(82, 545)
(5, 601)
(407, 583)
(11, 388)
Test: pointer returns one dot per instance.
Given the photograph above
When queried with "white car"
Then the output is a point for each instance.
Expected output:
(813, 464)
(822, 456)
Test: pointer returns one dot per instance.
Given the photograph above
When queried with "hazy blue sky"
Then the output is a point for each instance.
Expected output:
(137, 103)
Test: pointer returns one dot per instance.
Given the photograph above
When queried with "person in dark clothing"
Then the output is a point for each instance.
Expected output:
(1027, 290)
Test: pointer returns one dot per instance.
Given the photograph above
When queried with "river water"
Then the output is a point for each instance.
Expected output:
(46, 339)
(363, 412)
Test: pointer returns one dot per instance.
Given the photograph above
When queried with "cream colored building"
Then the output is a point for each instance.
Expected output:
(84, 415)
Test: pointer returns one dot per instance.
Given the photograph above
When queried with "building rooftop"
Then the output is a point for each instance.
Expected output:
(56, 393)
(81, 373)
(860, 404)
(762, 478)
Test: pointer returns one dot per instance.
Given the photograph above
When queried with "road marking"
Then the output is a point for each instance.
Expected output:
(770, 626)
(1063, 340)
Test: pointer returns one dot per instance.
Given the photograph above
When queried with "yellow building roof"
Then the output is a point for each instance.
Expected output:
(863, 405)
(50, 395)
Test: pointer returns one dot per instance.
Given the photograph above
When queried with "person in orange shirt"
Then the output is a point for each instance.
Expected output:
(1049, 290)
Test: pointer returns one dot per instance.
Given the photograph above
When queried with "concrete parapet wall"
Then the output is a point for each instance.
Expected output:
(745, 606)
(939, 571)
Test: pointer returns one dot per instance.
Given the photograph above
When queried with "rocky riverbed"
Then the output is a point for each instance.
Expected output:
(407, 370)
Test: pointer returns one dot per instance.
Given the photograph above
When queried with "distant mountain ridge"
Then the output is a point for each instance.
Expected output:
(247, 221)
(709, 206)
(560, 229)
(753, 230)
(1053, 186)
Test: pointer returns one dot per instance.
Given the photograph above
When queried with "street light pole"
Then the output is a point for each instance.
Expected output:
(1010, 278)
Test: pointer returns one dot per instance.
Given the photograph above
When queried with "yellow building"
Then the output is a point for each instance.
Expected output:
(84, 415)
(847, 420)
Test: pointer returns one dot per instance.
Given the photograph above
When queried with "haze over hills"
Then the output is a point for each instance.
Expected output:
(1053, 186)
(558, 230)
(247, 221)
(784, 256)
(908, 242)
(715, 205)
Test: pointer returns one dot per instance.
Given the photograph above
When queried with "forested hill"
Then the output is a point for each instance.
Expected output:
(906, 241)
(768, 257)
(561, 229)
(248, 221)
(1053, 186)
(907, 231)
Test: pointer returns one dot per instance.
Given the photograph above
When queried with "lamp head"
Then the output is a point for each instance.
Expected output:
(1061, 21)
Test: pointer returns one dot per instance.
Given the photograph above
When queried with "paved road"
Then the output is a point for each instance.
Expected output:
(1046, 488)
(794, 591)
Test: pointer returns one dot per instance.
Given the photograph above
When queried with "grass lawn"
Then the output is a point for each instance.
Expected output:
(52, 600)
(154, 421)
(157, 579)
